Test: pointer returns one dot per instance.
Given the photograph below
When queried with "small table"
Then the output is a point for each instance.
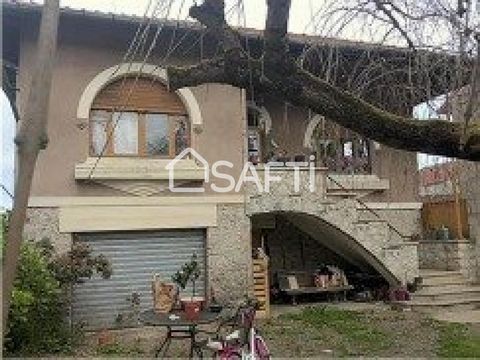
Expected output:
(180, 328)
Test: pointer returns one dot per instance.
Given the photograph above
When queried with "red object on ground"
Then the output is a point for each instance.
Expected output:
(399, 294)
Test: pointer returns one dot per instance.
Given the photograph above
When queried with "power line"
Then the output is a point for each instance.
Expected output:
(160, 27)
(4, 188)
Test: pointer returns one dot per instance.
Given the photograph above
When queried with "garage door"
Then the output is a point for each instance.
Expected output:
(134, 257)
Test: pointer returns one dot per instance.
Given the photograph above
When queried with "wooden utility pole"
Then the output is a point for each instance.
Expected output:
(30, 139)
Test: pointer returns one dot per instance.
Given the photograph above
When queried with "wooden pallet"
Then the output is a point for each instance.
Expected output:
(261, 287)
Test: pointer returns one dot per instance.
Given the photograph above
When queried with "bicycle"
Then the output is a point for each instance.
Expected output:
(247, 346)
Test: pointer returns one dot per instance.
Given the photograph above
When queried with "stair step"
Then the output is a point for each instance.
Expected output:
(448, 289)
(437, 305)
(444, 280)
(431, 273)
(445, 296)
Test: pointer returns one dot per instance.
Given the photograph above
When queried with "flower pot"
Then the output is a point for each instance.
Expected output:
(105, 337)
(192, 309)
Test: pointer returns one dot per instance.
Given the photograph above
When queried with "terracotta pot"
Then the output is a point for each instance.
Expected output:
(192, 309)
(105, 337)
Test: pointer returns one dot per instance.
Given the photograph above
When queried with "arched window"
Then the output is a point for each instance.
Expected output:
(138, 117)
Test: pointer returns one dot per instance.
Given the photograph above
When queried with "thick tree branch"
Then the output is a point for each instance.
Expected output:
(276, 29)
(212, 14)
(302, 89)
(277, 75)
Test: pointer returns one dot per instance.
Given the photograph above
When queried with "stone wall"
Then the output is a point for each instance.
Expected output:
(470, 190)
(392, 256)
(448, 255)
(229, 254)
(291, 249)
(408, 221)
(43, 223)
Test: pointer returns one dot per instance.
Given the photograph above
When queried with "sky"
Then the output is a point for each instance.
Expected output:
(7, 126)
(426, 111)
(302, 13)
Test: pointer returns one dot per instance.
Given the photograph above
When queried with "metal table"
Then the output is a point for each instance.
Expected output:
(180, 328)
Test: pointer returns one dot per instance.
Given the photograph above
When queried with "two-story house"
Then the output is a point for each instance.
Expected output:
(114, 128)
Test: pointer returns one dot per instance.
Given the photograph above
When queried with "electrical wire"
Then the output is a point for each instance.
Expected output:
(4, 188)
(160, 27)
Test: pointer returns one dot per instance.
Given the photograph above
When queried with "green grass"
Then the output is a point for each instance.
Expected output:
(457, 340)
(356, 334)
(116, 349)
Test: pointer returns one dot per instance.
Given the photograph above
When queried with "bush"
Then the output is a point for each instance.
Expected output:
(40, 298)
(36, 321)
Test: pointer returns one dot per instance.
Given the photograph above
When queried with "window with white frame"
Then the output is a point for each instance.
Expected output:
(138, 117)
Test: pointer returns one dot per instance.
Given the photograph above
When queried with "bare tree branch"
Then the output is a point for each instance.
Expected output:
(395, 23)
(277, 75)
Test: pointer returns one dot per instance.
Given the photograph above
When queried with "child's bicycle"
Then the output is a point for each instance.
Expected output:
(244, 343)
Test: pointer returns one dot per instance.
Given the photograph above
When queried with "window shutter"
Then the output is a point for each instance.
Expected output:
(143, 94)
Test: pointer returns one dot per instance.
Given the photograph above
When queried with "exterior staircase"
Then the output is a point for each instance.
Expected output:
(444, 291)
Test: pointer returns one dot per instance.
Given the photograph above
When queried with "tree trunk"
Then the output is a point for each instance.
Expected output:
(31, 138)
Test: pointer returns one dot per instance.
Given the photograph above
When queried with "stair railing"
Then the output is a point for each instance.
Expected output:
(364, 205)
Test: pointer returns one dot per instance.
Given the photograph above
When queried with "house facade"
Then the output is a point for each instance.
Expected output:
(114, 129)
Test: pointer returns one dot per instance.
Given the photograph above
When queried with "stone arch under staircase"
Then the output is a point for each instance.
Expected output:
(370, 241)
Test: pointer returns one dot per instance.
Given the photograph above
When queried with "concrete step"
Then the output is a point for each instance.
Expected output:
(431, 273)
(450, 278)
(440, 305)
(463, 317)
(447, 293)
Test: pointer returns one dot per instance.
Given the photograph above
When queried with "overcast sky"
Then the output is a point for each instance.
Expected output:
(6, 159)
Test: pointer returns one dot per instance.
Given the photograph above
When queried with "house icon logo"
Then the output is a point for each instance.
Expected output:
(174, 162)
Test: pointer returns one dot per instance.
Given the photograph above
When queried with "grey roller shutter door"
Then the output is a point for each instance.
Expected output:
(135, 257)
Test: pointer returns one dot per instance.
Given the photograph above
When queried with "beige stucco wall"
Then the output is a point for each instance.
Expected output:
(99, 45)
(290, 123)
(78, 61)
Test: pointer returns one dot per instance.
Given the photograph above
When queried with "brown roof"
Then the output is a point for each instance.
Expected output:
(35, 8)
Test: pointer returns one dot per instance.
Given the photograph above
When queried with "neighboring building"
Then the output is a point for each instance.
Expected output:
(103, 178)
(437, 180)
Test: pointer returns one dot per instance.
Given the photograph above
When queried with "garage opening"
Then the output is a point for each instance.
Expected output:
(311, 264)
(135, 257)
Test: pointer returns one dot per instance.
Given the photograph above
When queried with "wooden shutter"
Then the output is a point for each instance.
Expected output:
(142, 94)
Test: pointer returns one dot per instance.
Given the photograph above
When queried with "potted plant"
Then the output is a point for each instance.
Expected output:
(189, 272)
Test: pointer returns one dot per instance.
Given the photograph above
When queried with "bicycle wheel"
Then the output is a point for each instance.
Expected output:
(261, 348)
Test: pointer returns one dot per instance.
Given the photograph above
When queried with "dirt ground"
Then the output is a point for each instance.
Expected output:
(314, 331)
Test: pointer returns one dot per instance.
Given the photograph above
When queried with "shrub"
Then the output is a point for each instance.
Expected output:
(36, 321)
(40, 298)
